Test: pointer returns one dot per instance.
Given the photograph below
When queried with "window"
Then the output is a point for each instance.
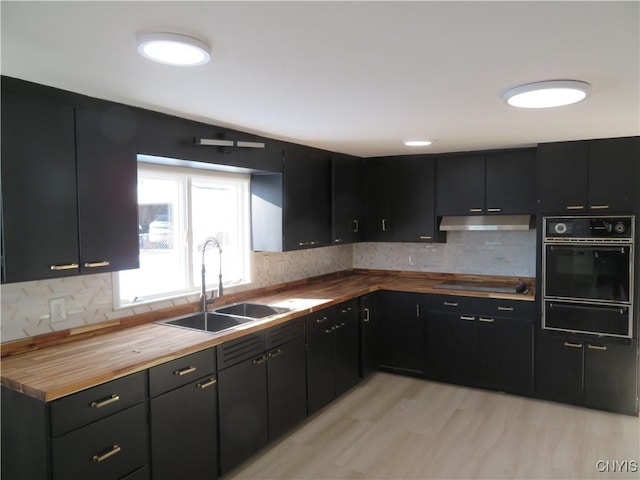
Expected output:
(178, 210)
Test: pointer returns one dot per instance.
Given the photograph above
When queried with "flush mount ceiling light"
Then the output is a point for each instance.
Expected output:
(173, 49)
(552, 93)
(417, 143)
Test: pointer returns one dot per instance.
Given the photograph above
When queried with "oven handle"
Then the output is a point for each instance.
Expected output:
(589, 247)
(589, 307)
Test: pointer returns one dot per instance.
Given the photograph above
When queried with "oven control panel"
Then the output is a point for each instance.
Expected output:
(589, 228)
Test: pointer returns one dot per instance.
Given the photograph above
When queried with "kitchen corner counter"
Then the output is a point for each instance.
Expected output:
(59, 370)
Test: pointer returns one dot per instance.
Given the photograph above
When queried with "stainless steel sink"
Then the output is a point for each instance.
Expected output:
(212, 322)
(251, 310)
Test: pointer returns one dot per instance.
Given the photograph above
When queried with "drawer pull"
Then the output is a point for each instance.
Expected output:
(451, 304)
(337, 240)
(467, 317)
(572, 345)
(208, 384)
(184, 371)
(104, 263)
(345, 310)
(494, 210)
(505, 309)
(106, 401)
(488, 320)
(260, 360)
(275, 353)
(475, 210)
(575, 207)
(329, 330)
(68, 266)
(336, 327)
(597, 347)
(425, 237)
(599, 207)
(321, 320)
(99, 458)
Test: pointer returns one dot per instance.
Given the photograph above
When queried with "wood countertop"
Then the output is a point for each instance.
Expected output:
(56, 371)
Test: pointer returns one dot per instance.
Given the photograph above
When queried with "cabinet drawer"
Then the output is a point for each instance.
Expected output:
(451, 303)
(107, 449)
(181, 371)
(520, 309)
(89, 405)
(320, 319)
(240, 349)
(347, 310)
(285, 332)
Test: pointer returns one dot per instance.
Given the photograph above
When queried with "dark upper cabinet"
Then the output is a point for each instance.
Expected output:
(377, 225)
(400, 332)
(510, 182)
(461, 185)
(69, 186)
(173, 137)
(596, 176)
(501, 182)
(292, 210)
(347, 188)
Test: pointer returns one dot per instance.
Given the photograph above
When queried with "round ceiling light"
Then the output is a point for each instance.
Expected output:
(417, 143)
(173, 49)
(552, 93)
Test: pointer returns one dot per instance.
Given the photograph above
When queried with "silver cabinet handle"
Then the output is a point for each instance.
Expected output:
(66, 266)
(366, 315)
(345, 310)
(417, 309)
(575, 207)
(322, 320)
(425, 237)
(384, 225)
(275, 353)
(597, 347)
(329, 330)
(101, 457)
(315, 242)
(487, 320)
(505, 309)
(260, 360)
(494, 210)
(208, 384)
(184, 371)
(599, 207)
(450, 304)
(303, 244)
(105, 401)
(356, 226)
(104, 263)
(337, 240)
(572, 345)
(475, 210)
(214, 142)
(244, 144)
(467, 317)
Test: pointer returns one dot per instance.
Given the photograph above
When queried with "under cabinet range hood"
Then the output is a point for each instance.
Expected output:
(486, 223)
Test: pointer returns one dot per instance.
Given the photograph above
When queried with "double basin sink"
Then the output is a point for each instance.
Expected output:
(224, 318)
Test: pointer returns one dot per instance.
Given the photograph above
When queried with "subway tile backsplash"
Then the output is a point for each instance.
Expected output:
(89, 298)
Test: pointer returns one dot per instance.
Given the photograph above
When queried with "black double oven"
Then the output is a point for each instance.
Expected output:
(588, 275)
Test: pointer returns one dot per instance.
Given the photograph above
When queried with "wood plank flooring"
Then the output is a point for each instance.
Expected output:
(394, 427)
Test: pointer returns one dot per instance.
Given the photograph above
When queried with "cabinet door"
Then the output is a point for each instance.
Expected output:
(370, 312)
(296, 201)
(39, 198)
(242, 393)
(413, 199)
(347, 189)
(377, 210)
(505, 353)
(559, 369)
(614, 175)
(511, 179)
(107, 189)
(184, 432)
(562, 177)
(460, 185)
(287, 387)
(319, 192)
(320, 368)
(400, 332)
(611, 377)
(347, 356)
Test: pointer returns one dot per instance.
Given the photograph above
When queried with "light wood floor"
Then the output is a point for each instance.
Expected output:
(393, 427)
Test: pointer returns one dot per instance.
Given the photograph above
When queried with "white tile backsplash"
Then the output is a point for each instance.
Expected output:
(89, 299)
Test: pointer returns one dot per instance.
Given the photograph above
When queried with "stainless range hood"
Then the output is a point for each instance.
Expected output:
(486, 223)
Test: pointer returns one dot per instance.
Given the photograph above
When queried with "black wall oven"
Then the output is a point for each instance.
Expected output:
(587, 282)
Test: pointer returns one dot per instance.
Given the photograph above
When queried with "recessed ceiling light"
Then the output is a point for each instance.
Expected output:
(417, 143)
(173, 49)
(552, 93)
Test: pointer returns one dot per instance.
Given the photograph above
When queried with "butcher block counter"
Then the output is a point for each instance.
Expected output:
(60, 370)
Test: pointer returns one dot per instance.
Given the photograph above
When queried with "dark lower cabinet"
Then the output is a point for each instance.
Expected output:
(451, 347)
(184, 432)
(400, 332)
(369, 314)
(596, 374)
(347, 357)
(320, 369)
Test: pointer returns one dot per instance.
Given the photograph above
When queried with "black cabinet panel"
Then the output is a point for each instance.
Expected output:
(107, 189)
(347, 356)
(348, 191)
(461, 185)
(370, 313)
(287, 387)
(559, 369)
(320, 369)
(39, 198)
(510, 187)
(377, 200)
(183, 432)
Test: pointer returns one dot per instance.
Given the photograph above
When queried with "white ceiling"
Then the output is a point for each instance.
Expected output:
(353, 77)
